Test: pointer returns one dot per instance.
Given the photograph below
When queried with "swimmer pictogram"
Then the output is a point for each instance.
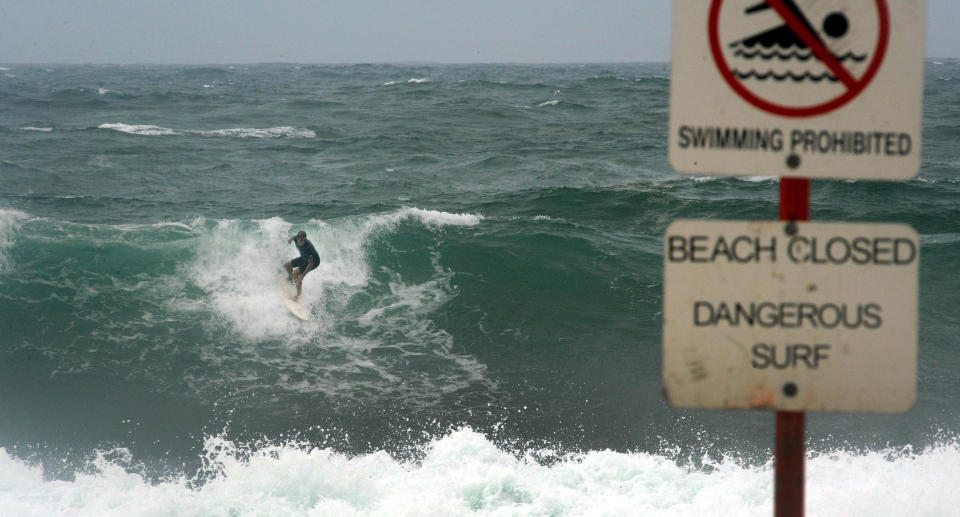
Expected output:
(798, 58)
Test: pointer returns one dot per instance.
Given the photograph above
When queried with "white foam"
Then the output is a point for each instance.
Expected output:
(242, 132)
(239, 269)
(539, 218)
(418, 80)
(389, 83)
(270, 132)
(465, 474)
(103, 91)
(40, 129)
(4, 69)
(406, 299)
(704, 179)
(438, 218)
(554, 102)
(139, 129)
(746, 179)
(238, 266)
(758, 179)
(10, 223)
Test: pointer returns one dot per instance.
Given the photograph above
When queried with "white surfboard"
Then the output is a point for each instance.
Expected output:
(288, 290)
(297, 309)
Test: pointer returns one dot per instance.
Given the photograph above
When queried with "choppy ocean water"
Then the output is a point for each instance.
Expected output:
(486, 320)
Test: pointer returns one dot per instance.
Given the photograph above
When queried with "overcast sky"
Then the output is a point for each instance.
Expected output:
(351, 31)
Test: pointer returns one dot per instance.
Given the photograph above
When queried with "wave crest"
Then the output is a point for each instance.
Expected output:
(464, 473)
(363, 302)
(10, 222)
(243, 132)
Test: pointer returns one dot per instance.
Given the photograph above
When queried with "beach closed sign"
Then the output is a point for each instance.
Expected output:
(810, 88)
(790, 316)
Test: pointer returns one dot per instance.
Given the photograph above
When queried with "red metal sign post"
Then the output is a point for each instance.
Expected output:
(789, 454)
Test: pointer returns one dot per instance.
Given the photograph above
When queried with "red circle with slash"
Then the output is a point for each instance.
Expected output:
(854, 86)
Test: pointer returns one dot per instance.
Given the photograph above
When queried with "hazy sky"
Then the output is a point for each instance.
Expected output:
(350, 31)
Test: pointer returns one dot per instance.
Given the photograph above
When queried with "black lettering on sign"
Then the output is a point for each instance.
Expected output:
(878, 251)
(810, 141)
(676, 248)
(695, 249)
(782, 357)
(741, 249)
(787, 315)
(721, 248)
(739, 138)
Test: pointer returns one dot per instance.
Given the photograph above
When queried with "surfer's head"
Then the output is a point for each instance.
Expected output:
(301, 237)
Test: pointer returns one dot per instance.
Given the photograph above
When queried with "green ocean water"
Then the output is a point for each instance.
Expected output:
(489, 298)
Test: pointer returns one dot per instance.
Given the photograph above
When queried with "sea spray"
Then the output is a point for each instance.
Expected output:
(464, 473)
(239, 265)
(371, 331)
(10, 222)
(242, 132)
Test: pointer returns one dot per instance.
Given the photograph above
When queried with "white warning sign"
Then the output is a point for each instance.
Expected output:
(812, 88)
(790, 316)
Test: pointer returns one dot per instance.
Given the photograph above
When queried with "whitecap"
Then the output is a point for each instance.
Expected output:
(554, 102)
(242, 132)
(547, 218)
(10, 223)
(418, 80)
(435, 218)
(270, 132)
(139, 129)
(237, 266)
(40, 129)
(746, 179)
(704, 179)
(103, 91)
(465, 473)
(757, 179)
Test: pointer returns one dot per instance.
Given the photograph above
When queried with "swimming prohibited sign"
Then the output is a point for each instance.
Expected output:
(811, 88)
(791, 316)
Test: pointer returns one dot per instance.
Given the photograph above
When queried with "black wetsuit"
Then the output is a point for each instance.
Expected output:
(307, 251)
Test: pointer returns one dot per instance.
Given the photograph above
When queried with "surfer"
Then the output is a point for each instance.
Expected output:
(305, 263)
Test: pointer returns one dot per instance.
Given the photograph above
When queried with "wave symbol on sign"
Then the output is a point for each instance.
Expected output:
(780, 44)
